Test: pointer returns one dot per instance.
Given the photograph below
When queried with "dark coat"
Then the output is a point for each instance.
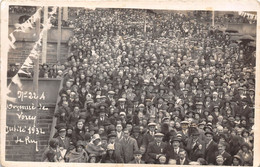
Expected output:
(153, 149)
(209, 156)
(119, 153)
(147, 138)
(227, 158)
(107, 159)
(186, 162)
(135, 162)
(195, 152)
(77, 135)
(139, 140)
(129, 147)
(64, 143)
(170, 154)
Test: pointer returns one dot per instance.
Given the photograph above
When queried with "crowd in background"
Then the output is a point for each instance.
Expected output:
(161, 89)
(205, 16)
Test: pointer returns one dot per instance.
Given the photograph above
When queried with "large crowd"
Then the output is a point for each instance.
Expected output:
(159, 89)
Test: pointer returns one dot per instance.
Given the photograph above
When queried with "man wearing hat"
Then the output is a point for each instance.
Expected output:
(52, 153)
(222, 151)
(129, 145)
(243, 108)
(156, 148)
(160, 102)
(64, 141)
(12, 71)
(102, 115)
(195, 146)
(110, 98)
(137, 158)
(119, 154)
(63, 113)
(172, 151)
(184, 94)
(137, 135)
(135, 104)
(183, 159)
(121, 106)
(149, 135)
(184, 131)
(240, 95)
(211, 147)
(215, 100)
(170, 79)
(199, 108)
(251, 97)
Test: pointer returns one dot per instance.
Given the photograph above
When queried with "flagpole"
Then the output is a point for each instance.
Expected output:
(36, 78)
(213, 18)
(59, 34)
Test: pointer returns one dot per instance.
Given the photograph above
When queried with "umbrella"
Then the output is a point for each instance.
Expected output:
(247, 38)
(231, 30)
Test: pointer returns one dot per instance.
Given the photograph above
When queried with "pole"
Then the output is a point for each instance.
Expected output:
(213, 18)
(35, 80)
(45, 35)
(65, 13)
(59, 34)
(38, 28)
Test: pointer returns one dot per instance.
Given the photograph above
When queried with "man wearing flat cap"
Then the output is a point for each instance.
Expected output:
(156, 148)
(251, 97)
(121, 106)
(173, 149)
(149, 135)
(64, 142)
(184, 131)
(211, 147)
(110, 98)
(137, 158)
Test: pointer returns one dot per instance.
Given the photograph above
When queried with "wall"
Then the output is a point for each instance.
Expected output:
(244, 28)
(23, 50)
(23, 150)
(25, 41)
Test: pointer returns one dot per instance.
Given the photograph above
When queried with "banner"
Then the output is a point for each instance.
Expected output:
(249, 16)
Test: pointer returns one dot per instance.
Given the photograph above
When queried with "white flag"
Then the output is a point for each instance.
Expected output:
(17, 81)
(11, 99)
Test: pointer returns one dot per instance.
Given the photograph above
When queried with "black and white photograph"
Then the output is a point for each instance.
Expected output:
(130, 86)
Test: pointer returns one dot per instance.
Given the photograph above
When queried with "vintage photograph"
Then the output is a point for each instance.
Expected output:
(130, 86)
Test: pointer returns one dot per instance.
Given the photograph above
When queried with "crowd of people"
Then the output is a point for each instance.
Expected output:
(74, 12)
(159, 89)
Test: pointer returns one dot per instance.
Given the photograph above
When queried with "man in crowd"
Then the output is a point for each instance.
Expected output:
(161, 80)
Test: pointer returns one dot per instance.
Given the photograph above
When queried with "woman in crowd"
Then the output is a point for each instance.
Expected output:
(78, 154)
(176, 76)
